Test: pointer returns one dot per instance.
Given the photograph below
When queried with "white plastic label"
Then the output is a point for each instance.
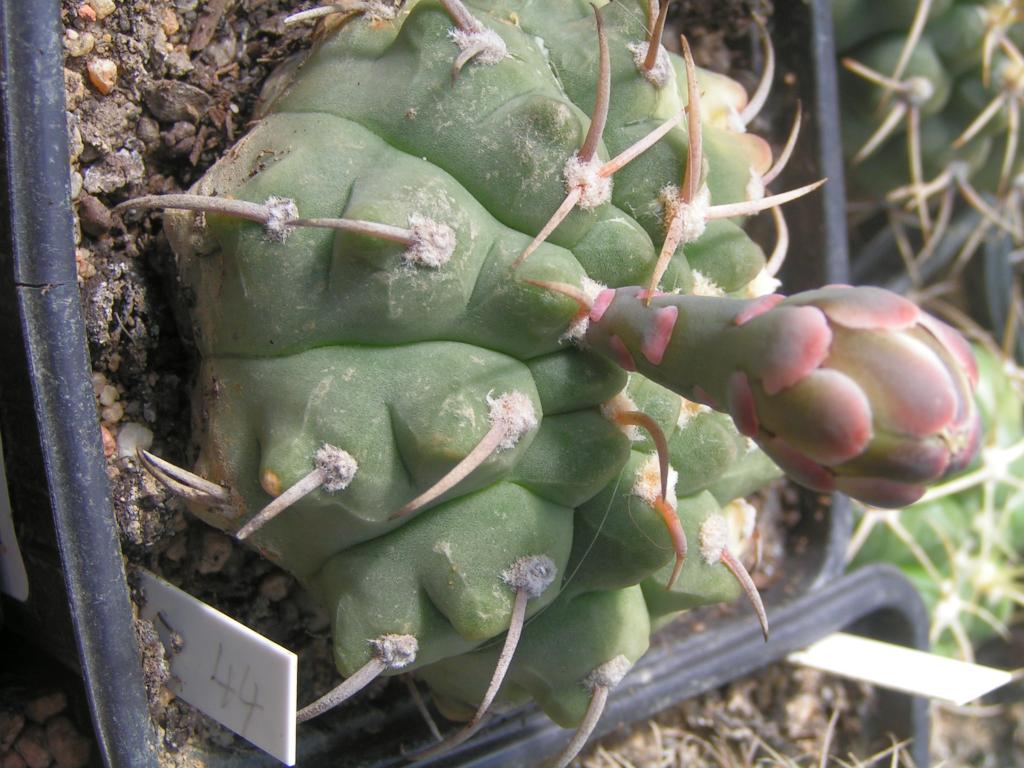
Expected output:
(13, 579)
(900, 668)
(235, 675)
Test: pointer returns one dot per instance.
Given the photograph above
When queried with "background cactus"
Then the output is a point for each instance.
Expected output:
(931, 101)
(384, 275)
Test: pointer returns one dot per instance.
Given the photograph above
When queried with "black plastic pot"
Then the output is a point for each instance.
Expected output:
(78, 605)
(79, 609)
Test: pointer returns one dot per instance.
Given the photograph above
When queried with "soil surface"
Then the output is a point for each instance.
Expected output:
(157, 90)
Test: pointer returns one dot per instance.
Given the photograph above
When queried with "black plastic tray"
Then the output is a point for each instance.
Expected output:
(876, 601)
(79, 609)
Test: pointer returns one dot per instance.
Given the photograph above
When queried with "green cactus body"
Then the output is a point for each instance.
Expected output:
(399, 352)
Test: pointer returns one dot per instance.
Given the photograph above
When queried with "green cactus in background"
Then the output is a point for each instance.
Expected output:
(414, 390)
(961, 544)
(931, 104)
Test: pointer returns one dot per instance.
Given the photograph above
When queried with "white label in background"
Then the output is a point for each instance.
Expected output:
(13, 579)
(233, 674)
(900, 668)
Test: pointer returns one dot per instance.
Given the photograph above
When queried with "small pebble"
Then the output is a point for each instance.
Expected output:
(103, 8)
(132, 436)
(31, 746)
(275, 586)
(83, 263)
(99, 381)
(94, 215)
(86, 12)
(102, 74)
(42, 708)
(112, 414)
(115, 171)
(69, 748)
(78, 44)
(109, 441)
(108, 394)
(216, 551)
(148, 130)
(74, 87)
(75, 143)
(180, 138)
(11, 724)
(12, 760)
(169, 22)
(173, 101)
(222, 52)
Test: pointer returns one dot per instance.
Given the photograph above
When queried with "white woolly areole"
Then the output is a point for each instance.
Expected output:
(689, 410)
(741, 516)
(396, 651)
(514, 412)
(920, 90)
(595, 189)
(662, 70)
(755, 186)
(714, 538)
(578, 327)
(378, 10)
(609, 674)
(762, 285)
(688, 219)
(280, 210)
(433, 243)
(705, 286)
(647, 482)
(734, 120)
(612, 409)
(337, 466)
(489, 47)
(532, 573)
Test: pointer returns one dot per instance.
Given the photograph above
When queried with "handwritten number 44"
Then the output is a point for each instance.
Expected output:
(247, 694)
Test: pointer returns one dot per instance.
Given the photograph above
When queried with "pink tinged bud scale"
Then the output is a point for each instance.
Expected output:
(742, 406)
(797, 347)
(911, 390)
(658, 334)
(826, 415)
(865, 307)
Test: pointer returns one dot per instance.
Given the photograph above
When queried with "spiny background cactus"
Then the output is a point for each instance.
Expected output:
(414, 390)
(931, 103)
(932, 99)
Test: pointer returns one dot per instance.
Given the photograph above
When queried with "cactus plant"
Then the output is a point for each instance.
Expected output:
(419, 396)
(932, 109)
